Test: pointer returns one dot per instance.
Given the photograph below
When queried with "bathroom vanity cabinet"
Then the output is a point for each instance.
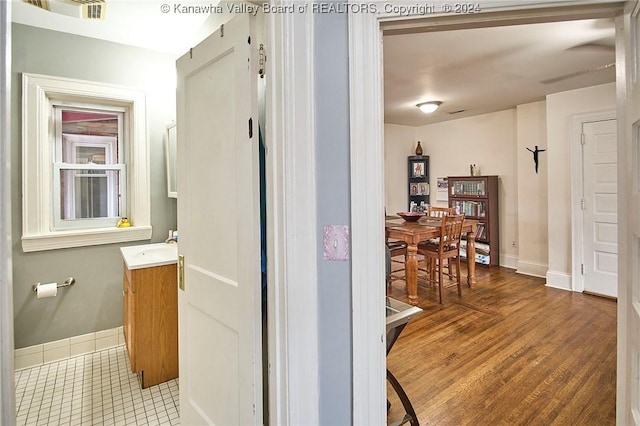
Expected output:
(151, 322)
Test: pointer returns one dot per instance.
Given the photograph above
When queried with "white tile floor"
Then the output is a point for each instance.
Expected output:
(94, 389)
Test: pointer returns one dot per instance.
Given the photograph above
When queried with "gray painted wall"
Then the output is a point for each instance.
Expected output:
(333, 182)
(95, 302)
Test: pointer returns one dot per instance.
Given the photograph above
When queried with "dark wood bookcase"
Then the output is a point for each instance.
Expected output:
(476, 197)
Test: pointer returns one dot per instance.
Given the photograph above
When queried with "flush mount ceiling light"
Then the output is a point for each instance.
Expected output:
(429, 107)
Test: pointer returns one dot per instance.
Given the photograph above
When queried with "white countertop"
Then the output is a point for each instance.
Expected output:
(150, 255)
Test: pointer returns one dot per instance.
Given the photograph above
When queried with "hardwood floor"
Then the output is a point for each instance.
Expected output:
(509, 352)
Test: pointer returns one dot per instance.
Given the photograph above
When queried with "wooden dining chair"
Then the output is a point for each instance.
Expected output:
(396, 248)
(433, 211)
(447, 248)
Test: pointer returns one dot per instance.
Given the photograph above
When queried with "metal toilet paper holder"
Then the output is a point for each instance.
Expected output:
(68, 283)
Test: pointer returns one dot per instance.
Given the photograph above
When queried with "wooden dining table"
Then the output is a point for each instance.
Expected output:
(425, 229)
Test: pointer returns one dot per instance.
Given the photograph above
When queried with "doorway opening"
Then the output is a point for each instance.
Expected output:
(367, 90)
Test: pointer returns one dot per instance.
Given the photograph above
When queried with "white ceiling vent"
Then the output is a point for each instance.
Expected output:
(87, 9)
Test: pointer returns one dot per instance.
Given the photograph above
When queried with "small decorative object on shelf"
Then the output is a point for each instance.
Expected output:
(473, 170)
(414, 207)
(419, 149)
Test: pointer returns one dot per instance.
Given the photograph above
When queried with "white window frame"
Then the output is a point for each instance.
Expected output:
(39, 94)
(115, 160)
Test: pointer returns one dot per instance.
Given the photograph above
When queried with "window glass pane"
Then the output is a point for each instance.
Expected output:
(89, 136)
(88, 194)
(87, 122)
(90, 155)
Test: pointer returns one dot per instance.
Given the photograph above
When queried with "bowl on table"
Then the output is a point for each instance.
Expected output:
(410, 216)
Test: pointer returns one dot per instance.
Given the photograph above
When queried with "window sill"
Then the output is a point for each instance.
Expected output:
(84, 237)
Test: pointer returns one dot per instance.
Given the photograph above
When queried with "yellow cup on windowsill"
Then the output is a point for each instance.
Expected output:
(123, 223)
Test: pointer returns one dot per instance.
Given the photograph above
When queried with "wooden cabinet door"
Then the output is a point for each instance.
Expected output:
(128, 317)
(154, 311)
(150, 322)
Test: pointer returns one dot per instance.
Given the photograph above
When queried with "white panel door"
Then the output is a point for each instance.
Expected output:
(600, 186)
(218, 221)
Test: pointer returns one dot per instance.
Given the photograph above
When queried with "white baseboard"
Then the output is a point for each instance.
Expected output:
(32, 356)
(508, 261)
(532, 268)
(559, 280)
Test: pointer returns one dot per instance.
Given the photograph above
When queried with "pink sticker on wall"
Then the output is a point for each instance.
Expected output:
(335, 242)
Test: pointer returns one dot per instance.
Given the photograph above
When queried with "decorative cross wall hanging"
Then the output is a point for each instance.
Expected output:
(535, 155)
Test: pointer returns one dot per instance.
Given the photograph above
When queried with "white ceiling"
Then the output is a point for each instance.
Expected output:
(484, 70)
(477, 70)
(139, 23)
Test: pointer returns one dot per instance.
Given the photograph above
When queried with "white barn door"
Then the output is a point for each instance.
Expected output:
(218, 221)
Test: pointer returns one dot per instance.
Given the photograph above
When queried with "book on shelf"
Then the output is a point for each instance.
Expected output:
(481, 231)
(481, 248)
(470, 208)
(468, 188)
(484, 259)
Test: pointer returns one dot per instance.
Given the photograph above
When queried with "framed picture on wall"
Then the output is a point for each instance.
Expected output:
(442, 193)
(413, 189)
(418, 169)
(423, 188)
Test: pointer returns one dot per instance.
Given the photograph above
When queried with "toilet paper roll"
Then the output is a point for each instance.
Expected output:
(47, 290)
